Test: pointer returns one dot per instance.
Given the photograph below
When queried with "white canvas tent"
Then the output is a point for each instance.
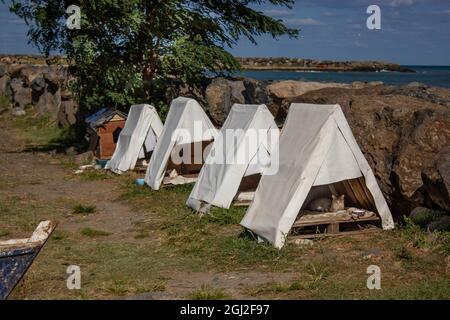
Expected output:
(141, 131)
(316, 148)
(242, 148)
(186, 123)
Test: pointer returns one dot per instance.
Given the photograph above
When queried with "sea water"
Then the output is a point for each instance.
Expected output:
(437, 76)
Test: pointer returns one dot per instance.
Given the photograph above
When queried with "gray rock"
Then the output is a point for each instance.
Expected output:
(16, 84)
(416, 85)
(84, 158)
(55, 75)
(49, 104)
(71, 151)
(5, 89)
(255, 92)
(443, 224)
(29, 73)
(38, 84)
(67, 114)
(220, 95)
(21, 94)
(3, 70)
(18, 112)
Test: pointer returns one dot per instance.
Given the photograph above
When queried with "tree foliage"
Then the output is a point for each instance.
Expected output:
(127, 49)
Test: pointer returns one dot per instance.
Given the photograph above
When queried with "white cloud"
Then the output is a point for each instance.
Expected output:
(302, 21)
(396, 3)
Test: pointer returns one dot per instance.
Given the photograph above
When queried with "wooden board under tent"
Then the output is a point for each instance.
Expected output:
(358, 216)
(246, 191)
(185, 172)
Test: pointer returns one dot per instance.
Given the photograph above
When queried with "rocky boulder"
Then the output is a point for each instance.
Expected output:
(67, 113)
(21, 93)
(220, 95)
(5, 89)
(49, 104)
(290, 88)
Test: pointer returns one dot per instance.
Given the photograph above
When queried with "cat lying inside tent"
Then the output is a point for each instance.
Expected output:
(324, 204)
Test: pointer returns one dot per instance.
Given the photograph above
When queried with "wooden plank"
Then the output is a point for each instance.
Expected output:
(242, 203)
(330, 220)
(333, 228)
(362, 183)
(361, 195)
(349, 191)
(342, 233)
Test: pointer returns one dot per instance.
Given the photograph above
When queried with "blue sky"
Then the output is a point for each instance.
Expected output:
(412, 32)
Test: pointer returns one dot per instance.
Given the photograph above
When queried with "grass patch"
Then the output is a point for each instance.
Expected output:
(93, 233)
(82, 209)
(226, 217)
(208, 293)
(5, 102)
(444, 246)
(42, 134)
(59, 235)
(404, 254)
(312, 276)
(423, 216)
(95, 175)
(4, 233)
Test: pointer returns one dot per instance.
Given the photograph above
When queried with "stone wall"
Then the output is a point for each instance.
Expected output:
(43, 88)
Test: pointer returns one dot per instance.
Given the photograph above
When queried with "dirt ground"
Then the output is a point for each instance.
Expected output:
(134, 243)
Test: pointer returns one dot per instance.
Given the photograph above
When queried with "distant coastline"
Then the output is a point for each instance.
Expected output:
(299, 64)
(251, 64)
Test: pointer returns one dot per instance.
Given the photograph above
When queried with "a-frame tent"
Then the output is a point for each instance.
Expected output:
(139, 136)
(186, 124)
(316, 148)
(241, 149)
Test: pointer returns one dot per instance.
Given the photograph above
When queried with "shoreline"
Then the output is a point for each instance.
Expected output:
(250, 64)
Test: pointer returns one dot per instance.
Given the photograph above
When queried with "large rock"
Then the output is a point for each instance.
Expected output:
(29, 73)
(3, 70)
(21, 94)
(56, 75)
(404, 138)
(220, 95)
(5, 89)
(49, 104)
(289, 88)
(38, 83)
(67, 114)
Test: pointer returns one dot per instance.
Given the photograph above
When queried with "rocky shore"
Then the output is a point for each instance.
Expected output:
(298, 64)
(404, 131)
